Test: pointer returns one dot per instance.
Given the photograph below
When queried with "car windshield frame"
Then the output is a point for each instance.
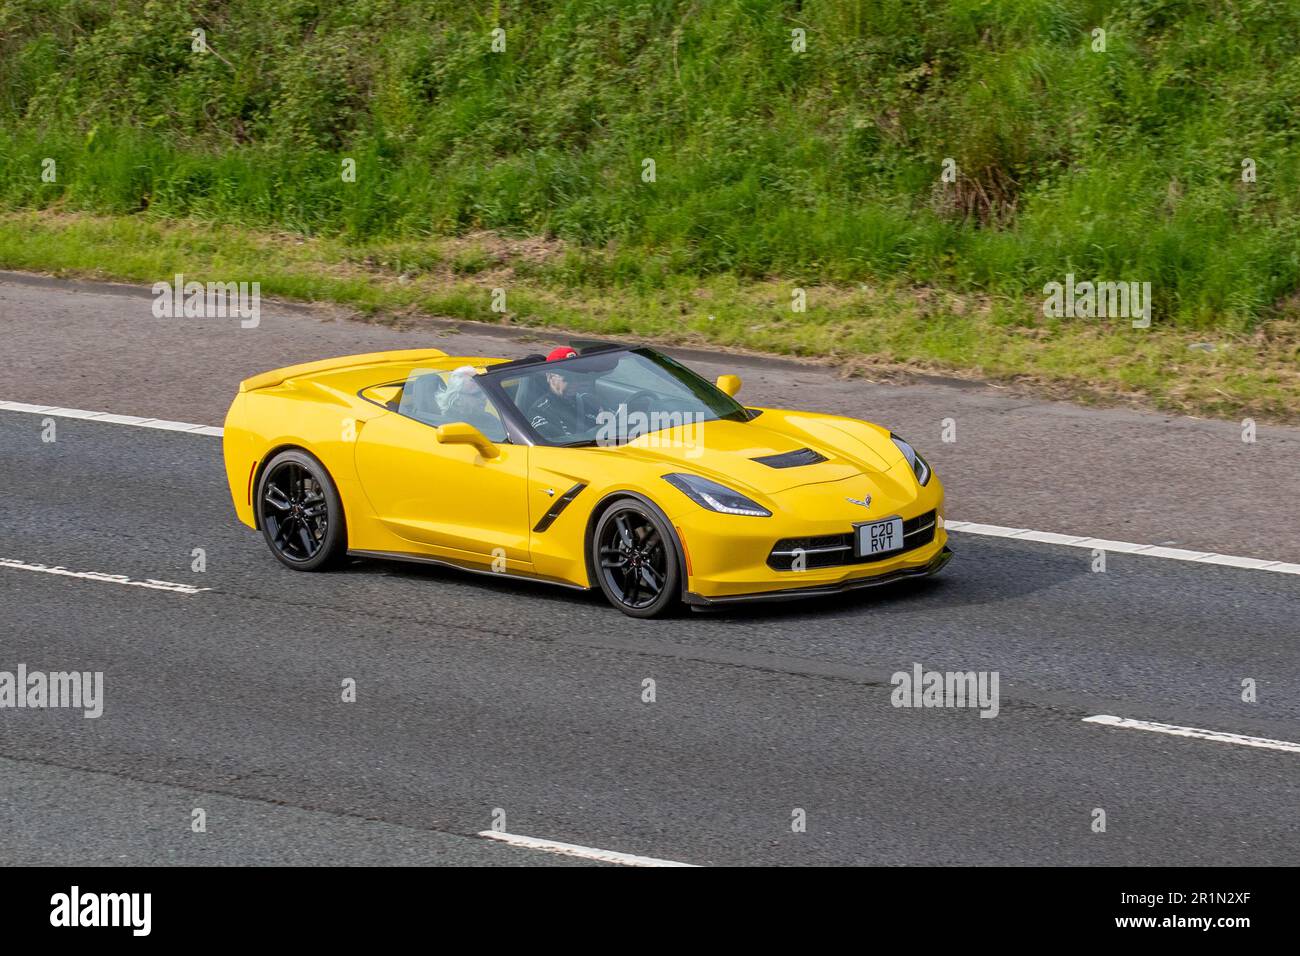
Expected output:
(719, 405)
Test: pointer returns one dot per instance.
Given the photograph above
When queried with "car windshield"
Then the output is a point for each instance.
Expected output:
(609, 398)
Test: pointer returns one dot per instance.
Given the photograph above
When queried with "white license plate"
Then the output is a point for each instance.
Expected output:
(880, 537)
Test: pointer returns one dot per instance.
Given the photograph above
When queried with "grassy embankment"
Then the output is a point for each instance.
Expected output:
(774, 170)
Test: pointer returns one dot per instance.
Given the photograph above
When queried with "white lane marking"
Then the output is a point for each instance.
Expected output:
(585, 852)
(1218, 736)
(102, 577)
(140, 422)
(962, 527)
(1122, 547)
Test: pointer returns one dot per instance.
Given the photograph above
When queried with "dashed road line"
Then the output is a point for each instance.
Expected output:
(1122, 547)
(1218, 736)
(101, 576)
(55, 411)
(572, 849)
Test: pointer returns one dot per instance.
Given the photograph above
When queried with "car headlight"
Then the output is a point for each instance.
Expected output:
(920, 467)
(716, 497)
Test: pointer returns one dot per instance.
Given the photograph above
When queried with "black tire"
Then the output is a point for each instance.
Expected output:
(634, 556)
(300, 512)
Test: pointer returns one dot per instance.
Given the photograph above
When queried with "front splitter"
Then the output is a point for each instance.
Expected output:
(794, 594)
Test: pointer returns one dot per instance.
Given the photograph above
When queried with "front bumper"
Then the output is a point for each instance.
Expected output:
(787, 594)
(736, 557)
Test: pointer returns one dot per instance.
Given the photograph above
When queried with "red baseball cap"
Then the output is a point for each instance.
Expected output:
(561, 352)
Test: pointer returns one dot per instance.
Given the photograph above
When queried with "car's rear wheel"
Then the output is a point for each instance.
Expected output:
(300, 512)
(635, 557)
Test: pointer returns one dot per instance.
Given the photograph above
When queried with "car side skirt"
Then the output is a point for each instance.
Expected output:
(464, 566)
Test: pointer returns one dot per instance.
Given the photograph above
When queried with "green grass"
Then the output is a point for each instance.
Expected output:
(774, 169)
(881, 332)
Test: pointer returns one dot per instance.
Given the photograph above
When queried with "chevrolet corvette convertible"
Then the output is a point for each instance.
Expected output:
(596, 466)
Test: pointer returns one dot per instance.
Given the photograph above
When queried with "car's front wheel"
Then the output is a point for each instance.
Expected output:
(636, 559)
(300, 512)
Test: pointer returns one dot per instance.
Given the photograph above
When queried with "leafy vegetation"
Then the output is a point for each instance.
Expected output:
(816, 168)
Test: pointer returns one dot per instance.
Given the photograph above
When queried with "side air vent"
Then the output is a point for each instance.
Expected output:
(561, 503)
(791, 459)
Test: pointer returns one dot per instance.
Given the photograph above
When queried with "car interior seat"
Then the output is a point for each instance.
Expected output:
(420, 398)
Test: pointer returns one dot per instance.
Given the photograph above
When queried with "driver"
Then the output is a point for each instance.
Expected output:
(563, 408)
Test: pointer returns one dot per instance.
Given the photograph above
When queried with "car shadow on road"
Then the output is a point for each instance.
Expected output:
(982, 572)
(485, 583)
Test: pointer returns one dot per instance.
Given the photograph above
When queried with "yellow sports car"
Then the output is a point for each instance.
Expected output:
(597, 465)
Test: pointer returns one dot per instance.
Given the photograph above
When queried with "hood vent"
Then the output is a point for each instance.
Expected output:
(791, 459)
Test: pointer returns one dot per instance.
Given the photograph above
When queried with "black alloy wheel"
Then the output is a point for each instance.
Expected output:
(299, 512)
(636, 559)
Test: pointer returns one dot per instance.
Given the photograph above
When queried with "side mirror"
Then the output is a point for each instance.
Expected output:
(463, 433)
(728, 383)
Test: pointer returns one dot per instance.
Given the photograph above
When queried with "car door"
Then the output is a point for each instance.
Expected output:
(447, 499)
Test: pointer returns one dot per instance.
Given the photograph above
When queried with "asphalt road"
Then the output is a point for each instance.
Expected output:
(476, 696)
(1016, 460)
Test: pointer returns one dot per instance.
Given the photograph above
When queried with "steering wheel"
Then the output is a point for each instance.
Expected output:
(646, 397)
(645, 393)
